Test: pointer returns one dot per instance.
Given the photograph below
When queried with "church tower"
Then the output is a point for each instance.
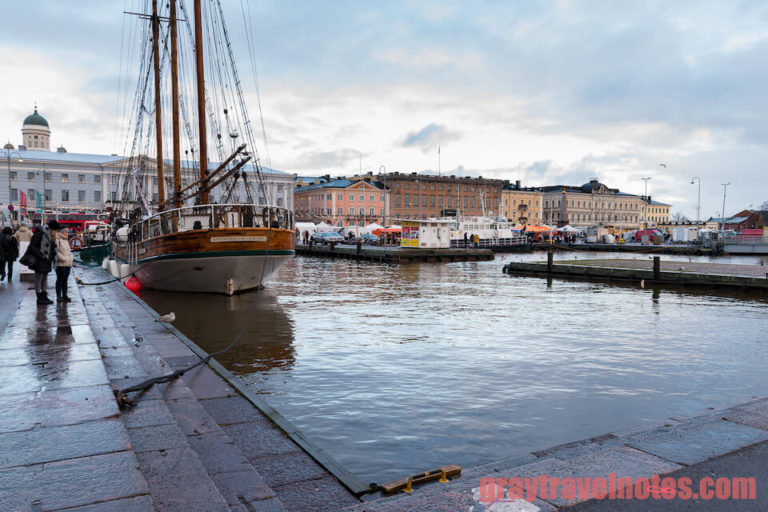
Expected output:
(36, 133)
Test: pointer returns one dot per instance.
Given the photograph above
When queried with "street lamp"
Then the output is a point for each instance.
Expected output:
(645, 210)
(725, 186)
(8, 154)
(698, 202)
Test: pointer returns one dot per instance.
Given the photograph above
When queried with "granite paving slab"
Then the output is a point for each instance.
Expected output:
(52, 375)
(71, 483)
(56, 407)
(136, 504)
(65, 442)
(697, 440)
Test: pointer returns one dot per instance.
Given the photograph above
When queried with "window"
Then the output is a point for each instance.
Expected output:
(407, 200)
(338, 211)
(329, 211)
(432, 186)
(473, 202)
(397, 201)
(432, 201)
(81, 195)
(13, 175)
(47, 176)
(351, 197)
(440, 201)
(362, 211)
(65, 178)
(382, 212)
(97, 178)
(279, 188)
(14, 194)
(371, 211)
(65, 195)
(407, 186)
(362, 199)
(371, 198)
(397, 185)
(423, 201)
(351, 210)
(340, 197)
(440, 187)
(81, 178)
(113, 195)
(30, 176)
(113, 180)
(381, 198)
(415, 186)
(31, 194)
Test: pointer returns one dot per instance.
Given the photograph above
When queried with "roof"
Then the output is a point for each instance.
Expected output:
(728, 220)
(54, 156)
(341, 183)
(36, 119)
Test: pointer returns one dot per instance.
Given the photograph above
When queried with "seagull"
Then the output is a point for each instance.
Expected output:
(663, 165)
(166, 319)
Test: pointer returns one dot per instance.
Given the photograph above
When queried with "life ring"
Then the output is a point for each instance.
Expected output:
(75, 243)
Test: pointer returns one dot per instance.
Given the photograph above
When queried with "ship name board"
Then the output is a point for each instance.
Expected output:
(238, 239)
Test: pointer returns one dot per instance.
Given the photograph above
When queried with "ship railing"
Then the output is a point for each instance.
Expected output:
(212, 216)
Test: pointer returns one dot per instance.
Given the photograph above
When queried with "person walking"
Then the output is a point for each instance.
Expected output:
(9, 251)
(40, 256)
(64, 260)
(23, 234)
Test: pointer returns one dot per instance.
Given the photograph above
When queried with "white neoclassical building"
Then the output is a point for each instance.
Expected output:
(59, 181)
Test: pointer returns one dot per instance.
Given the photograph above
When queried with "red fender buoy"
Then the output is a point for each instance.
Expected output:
(133, 284)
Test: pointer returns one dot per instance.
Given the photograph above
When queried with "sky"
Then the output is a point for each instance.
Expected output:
(549, 93)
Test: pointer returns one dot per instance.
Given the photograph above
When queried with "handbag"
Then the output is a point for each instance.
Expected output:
(28, 259)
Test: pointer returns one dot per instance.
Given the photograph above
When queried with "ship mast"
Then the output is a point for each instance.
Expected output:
(204, 194)
(158, 107)
(175, 110)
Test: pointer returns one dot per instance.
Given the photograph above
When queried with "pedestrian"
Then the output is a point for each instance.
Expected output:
(40, 257)
(465, 240)
(64, 260)
(23, 234)
(476, 239)
(9, 251)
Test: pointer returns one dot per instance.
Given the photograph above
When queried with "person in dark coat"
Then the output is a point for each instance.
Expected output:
(9, 252)
(43, 248)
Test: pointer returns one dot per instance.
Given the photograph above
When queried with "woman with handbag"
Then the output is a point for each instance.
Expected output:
(40, 256)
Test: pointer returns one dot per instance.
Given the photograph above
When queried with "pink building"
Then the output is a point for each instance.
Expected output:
(343, 202)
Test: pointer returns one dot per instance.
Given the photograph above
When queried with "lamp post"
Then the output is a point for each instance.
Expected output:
(645, 208)
(8, 154)
(725, 186)
(698, 201)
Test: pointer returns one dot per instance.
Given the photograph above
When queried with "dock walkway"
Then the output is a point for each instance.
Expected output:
(193, 444)
(389, 254)
(669, 272)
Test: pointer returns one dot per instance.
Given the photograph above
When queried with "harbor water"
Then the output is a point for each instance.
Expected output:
(396, 369)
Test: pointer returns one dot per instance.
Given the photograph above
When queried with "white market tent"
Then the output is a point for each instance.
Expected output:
(569, 229)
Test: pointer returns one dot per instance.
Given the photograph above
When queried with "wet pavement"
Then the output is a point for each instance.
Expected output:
(192, 444)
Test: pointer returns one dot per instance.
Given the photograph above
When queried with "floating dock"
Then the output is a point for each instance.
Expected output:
(651, 271)
(685, 250)
(394, 254)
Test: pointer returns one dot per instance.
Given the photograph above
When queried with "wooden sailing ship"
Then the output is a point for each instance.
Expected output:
(189, 243)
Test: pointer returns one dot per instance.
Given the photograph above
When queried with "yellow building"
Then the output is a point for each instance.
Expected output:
(592, 204)
(520, 204)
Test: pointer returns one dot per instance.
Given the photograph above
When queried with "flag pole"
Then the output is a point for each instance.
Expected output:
(438, 161)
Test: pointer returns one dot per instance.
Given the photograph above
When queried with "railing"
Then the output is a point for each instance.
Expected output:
(743, 239)
(491, 242)
(211, 216)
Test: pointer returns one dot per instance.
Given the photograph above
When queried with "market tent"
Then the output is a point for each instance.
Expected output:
(538, 229)
(323, 227)
(569, 229)
(385, 231)
(371, 227)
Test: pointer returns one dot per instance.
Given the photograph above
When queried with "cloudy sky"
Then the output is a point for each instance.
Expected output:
(550, 92)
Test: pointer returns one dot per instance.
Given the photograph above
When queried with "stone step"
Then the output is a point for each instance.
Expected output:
(189, 461)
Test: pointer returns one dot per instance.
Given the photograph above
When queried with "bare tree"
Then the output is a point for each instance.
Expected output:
(763, 206)
(679, 217)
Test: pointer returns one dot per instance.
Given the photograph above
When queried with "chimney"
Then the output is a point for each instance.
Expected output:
(517, 184)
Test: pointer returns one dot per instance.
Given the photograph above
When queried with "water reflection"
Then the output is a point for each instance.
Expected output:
(213, 322)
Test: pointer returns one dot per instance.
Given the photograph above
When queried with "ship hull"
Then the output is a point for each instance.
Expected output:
(226, 261)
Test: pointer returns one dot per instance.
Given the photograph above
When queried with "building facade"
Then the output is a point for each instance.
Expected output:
(592, 204)
(342, 202)
(522, 205)
(59, 181)
(424, 196)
